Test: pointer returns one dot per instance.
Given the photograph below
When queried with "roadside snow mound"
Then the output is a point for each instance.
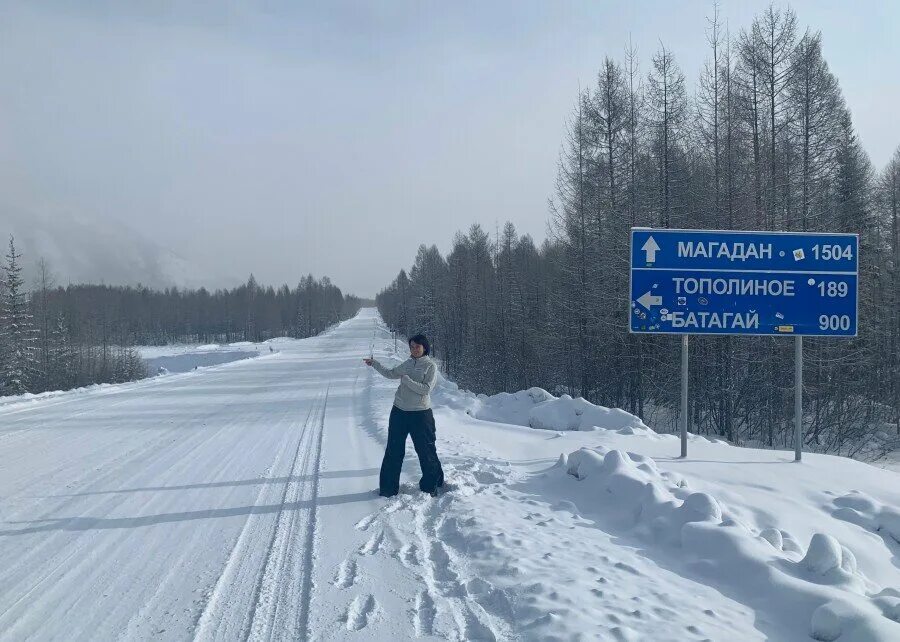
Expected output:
(566, 413)
(537, 408)
(767, 569)
(511, 408)
(860, 509)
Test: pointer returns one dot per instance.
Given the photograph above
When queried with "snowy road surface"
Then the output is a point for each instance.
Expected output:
(236, 502)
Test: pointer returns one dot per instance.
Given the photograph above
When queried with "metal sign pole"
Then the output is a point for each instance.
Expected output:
(798, 397)
(684, 394)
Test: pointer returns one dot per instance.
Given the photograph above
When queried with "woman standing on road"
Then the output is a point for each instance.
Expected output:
(411, 415)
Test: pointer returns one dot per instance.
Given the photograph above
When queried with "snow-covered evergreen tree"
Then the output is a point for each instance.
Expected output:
(18, 336)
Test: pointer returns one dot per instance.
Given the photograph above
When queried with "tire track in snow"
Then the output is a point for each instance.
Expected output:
(60, 539)
(100, 566)
(309, 550)
(226, 457)
(218, 618)
(280, 586)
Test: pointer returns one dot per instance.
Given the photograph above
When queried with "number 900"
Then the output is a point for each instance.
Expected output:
(834, 322)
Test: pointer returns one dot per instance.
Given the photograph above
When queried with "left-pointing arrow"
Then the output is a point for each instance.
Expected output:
(648, 300)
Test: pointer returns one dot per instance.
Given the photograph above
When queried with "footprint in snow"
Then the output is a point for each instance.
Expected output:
(622, 566)
(346, 574)
(373, 544)
(487, 477)
(366, 522)
(424, 614)
(359, 612)
(409, 555)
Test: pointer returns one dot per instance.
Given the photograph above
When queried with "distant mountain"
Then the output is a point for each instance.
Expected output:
(82, 249)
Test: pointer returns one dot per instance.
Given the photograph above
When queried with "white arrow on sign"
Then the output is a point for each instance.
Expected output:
(651, 248)
(648, 300)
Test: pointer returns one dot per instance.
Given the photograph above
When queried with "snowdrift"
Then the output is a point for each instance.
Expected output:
(810, 582)
(767, 568)
(537, 408)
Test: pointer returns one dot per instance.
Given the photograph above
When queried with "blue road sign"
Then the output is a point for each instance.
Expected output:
(725, 282)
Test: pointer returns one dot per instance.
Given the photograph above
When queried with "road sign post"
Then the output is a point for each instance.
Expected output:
(798, 398)
(744, 283)
(684, 394)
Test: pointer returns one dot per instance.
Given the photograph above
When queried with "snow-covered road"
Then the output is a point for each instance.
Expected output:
(235, 502)
(186, 506)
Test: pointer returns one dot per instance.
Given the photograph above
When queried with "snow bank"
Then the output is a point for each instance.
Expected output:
(537, 408)
(28, 398)
(860, 509)
(566, 413)
(767, 569)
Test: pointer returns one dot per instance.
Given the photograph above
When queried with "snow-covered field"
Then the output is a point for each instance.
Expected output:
(236, 502)
(185, 357)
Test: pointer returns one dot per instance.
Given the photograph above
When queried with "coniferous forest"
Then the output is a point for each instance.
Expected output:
(57, 338)
(764, 141)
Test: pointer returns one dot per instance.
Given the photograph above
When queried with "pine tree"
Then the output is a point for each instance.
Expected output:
(18, 335)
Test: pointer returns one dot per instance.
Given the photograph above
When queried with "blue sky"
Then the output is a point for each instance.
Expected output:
(286, 137)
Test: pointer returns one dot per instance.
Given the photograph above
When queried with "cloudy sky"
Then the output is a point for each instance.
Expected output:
(283, 138)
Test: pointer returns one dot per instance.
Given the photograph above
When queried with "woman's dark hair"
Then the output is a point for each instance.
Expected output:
(422, 340)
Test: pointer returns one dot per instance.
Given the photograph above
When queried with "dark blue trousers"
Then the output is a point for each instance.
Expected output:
(418, 424)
